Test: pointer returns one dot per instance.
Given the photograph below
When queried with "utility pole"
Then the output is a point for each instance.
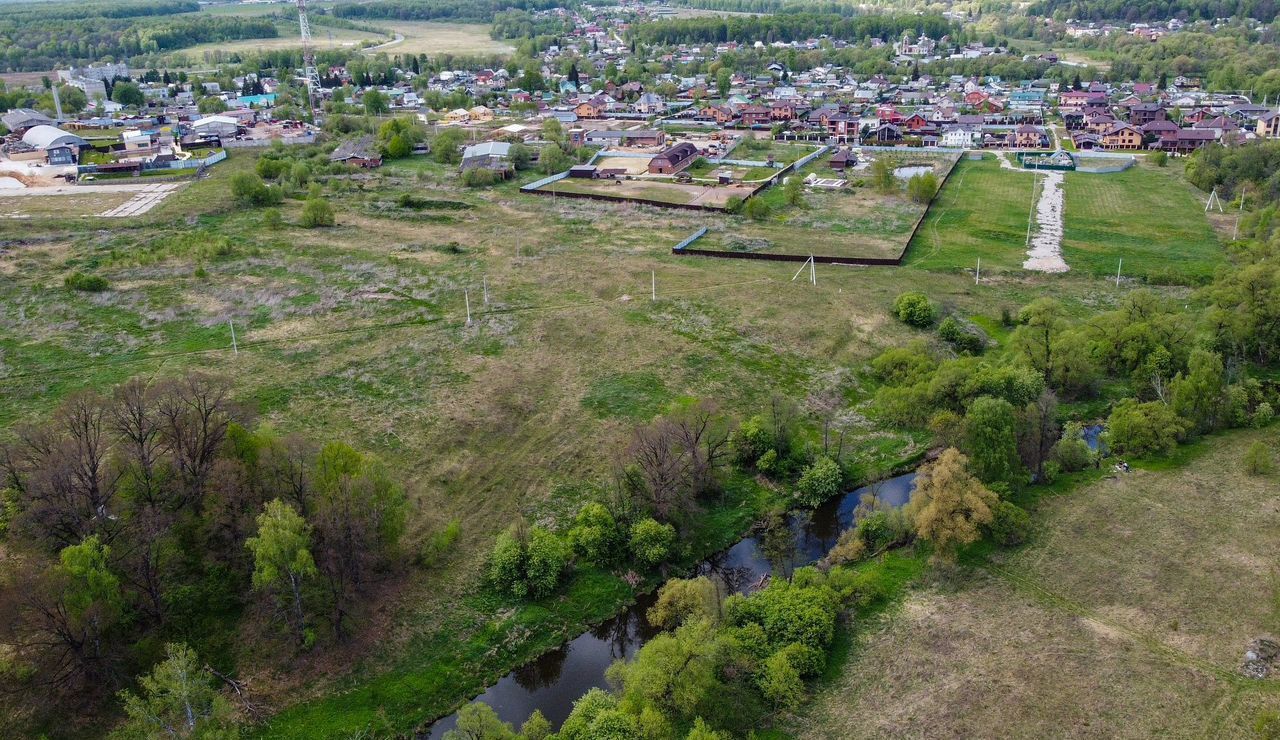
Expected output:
(466, 296)
(484, 280)
(309, 62)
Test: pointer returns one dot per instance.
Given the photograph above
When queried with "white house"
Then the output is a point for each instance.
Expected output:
(959, 137)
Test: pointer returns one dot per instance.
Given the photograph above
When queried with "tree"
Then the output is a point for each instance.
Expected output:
(211, 104)
(317, 212)
(915, 308)
(282, 560)
(478, 721)
(128, 94)
(178, 699)
(1041, 324)
(359, 516)
(794, 191)
(1038, 432)
(398, 147)
(447, 146)
(819, 481)
(546, 560)
(552, 159)
(651, 542)
(682, 600)
(921, 188)
(1199, 396)
(675, 672)
(594, 535)
(1141, 429)
(375, 103)
(949, 506)
(724, 78)
(882, 175)
(990, 439)
(553, 130)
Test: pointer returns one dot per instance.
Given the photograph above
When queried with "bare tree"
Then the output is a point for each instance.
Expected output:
(678, 458)
(133, 418)
(195, 411)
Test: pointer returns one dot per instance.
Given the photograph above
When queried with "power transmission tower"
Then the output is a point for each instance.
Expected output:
(309, 62)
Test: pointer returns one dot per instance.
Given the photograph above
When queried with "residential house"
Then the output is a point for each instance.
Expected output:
(1141, 114)
(1268, 126)
(358, 152)
(491, 155)
(1027, 136)
(755, 115)
(1122, 136)
(673, 159)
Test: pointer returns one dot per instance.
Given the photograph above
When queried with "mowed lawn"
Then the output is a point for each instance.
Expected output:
(1128, 615)
(1146, 215)
(980, 213)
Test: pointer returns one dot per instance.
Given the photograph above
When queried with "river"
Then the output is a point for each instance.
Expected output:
(554, 680)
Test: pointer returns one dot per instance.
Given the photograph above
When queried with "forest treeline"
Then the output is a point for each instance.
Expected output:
(44, 43)
(39, 12)
(475, 11)
(788, 27)
(1155, 10)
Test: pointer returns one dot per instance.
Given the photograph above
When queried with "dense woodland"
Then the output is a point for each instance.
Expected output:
(159, 513)
(1155, 10)
(789, 27)
(475, 11)
(43, 42)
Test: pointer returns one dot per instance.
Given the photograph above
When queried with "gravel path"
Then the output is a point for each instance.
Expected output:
(1045, 254)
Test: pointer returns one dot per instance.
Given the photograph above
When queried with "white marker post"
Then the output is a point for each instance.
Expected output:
(653, 285)
(813, 271)
(484, 280)
(1118, 264)
(234, 348)
(466, 296)
(977, 273)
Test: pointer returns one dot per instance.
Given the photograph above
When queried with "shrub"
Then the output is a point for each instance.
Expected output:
(546, 561)
(594, 535)
(317, 212)
(1263, 415)
(86, 283)
(479, 177)
(915, 309)
(271, 219)
(1258, 459)
(733, 204)
(439, 543)
(922, 188)
(249, 190)
(1010, 524)
(819, 481)
(528, 565)
(1072, 453)
(1144, 428)
(756, 209)
(1159, 159)
(751, 440)
(780, 682)
(961, 337)
(506, 564)
(651, 542)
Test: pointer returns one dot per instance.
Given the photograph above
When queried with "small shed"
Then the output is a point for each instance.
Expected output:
(586, 171)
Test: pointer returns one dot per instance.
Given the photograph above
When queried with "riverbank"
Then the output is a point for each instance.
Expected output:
(461, 660)
(1128, 612)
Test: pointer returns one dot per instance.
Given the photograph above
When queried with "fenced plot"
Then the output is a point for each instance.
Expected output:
(650, 191)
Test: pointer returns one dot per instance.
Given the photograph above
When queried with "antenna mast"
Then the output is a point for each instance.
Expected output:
(308, 60)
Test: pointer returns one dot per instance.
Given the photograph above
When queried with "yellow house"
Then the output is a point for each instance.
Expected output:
(458, 115)
(480, 114)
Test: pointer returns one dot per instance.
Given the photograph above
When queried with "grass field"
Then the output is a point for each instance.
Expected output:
(1144, 215)
(432, 37)
(57, 206)
(1128, 615)
(358, 333)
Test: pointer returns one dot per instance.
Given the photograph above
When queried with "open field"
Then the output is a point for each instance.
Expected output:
(323, 37)
(657, 191)
(1143, 215)
(433, 37)
(1127, 616)
(358, 334)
